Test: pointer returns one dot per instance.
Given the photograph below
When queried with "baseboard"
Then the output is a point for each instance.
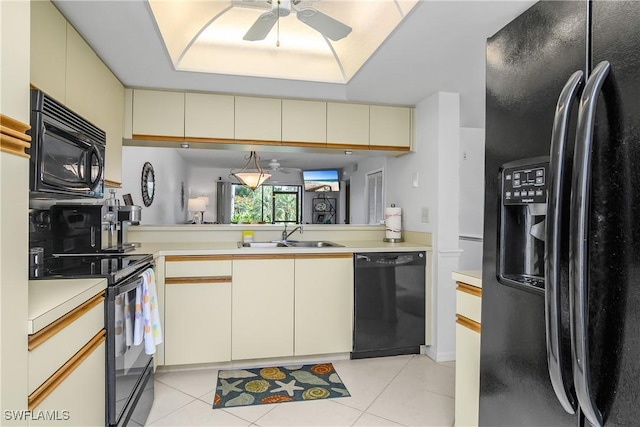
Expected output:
(439, 357)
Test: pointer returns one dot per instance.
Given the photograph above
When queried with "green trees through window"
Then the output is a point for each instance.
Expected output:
(269, 204)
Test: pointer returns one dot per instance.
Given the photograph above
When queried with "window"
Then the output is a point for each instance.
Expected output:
(268, 204)
(374, 197)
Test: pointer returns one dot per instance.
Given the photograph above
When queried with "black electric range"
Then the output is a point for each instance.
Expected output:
(114, 267)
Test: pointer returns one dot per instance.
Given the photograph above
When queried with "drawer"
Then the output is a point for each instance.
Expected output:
(469, 301)
(54, 345)
(198, 266)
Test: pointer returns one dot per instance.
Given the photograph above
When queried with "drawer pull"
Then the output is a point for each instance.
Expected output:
(321, 256)
(468, 323)
(195, 280)
(180, 258)
(61, 374)
(59, 324)
(468, 289)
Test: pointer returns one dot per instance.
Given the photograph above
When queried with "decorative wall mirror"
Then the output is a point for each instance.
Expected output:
(148, 184)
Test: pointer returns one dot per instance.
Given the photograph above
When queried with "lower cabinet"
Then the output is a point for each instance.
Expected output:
(323, 303)
(468, 307)
(80, 398)
(262, 306)
(67, 360)
(197, 324)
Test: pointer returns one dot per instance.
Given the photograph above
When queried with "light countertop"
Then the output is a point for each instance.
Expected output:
(470, 277)
(51, 299)
(231, 248)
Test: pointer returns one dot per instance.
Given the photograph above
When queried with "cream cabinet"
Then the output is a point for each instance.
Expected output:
(158, 113)
(208, 116)
(83, 66)
(262, 306)
(258, 119)
(323, 303)
(390, 126)
(347, 123)
(197, 309)
(304, 121)
(67, 367)
(48, 49)
(468, 308)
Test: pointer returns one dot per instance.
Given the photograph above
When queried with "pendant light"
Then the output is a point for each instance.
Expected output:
(251, 177)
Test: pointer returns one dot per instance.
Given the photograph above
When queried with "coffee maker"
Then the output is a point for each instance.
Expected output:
(86, 229)
(523, 210)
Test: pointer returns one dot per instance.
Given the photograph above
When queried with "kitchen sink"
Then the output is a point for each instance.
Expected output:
(290, 244)
(312, 244)
(261, 245)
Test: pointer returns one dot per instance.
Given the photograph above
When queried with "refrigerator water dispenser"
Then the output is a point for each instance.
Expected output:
(523, 209)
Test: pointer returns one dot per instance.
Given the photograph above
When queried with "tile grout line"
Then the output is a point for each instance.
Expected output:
(177, 409)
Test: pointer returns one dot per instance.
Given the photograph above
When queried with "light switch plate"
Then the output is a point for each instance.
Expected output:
(425, 214)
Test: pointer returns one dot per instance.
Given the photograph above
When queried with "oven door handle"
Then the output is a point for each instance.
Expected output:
(128, 284)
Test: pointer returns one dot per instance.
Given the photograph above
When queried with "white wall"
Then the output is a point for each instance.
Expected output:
(358, 200)
(435, 161)
(471, 162)
(170, 171)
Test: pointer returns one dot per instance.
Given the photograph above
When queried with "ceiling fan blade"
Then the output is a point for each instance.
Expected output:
(261, 27)
(324, 24)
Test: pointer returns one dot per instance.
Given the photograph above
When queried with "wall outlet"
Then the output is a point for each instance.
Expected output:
(425, 215)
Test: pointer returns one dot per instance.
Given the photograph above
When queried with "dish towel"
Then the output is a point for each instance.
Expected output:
(147, 317)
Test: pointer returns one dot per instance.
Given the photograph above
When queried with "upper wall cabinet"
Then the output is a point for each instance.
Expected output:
(83, 67)
(304, 121)
(158, 113)
(258, 119)
(390, 126)
(347, 123)
(48, 49)
(208, 116)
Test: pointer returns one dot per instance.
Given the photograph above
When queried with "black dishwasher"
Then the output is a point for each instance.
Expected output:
(389, 312)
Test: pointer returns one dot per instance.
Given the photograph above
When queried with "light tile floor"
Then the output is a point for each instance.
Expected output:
(407, 390)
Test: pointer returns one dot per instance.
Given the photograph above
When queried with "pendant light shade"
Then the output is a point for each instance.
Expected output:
(249, 176)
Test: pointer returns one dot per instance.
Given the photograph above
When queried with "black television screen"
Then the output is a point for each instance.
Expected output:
(321, 180)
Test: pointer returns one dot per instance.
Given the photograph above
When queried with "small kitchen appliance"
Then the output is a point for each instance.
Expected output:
(66, 154)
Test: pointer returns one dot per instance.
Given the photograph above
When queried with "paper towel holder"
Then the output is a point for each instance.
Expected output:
(389, 230)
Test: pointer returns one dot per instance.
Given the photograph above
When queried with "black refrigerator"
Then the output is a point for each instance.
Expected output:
(560, 342)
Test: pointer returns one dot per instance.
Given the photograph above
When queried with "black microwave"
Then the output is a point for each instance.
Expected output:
(67, 152)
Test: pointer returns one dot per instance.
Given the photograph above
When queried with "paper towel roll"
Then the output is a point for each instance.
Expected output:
(393, 224)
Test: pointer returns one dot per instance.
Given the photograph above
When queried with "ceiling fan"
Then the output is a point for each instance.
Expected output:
(274, 166)
(324, 24)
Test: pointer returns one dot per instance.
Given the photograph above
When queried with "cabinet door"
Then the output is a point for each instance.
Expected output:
(262, 321)
(82, 67)
(80, 399)
(208, 116)
(48, 49)
(323, 304)
(110, 114)
(347, 123)
(304, 121)
(467, 376)
(197, 322)
(158, 113)
(390, 126)
(258, 119)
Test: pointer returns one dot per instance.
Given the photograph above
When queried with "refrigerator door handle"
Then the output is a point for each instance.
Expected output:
(553, 323)
(578, 250)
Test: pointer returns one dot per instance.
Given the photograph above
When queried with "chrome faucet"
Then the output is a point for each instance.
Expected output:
(286, 235)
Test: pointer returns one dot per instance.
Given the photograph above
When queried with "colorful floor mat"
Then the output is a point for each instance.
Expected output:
(242, 387)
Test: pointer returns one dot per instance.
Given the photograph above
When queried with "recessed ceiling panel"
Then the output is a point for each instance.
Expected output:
(207, 36)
